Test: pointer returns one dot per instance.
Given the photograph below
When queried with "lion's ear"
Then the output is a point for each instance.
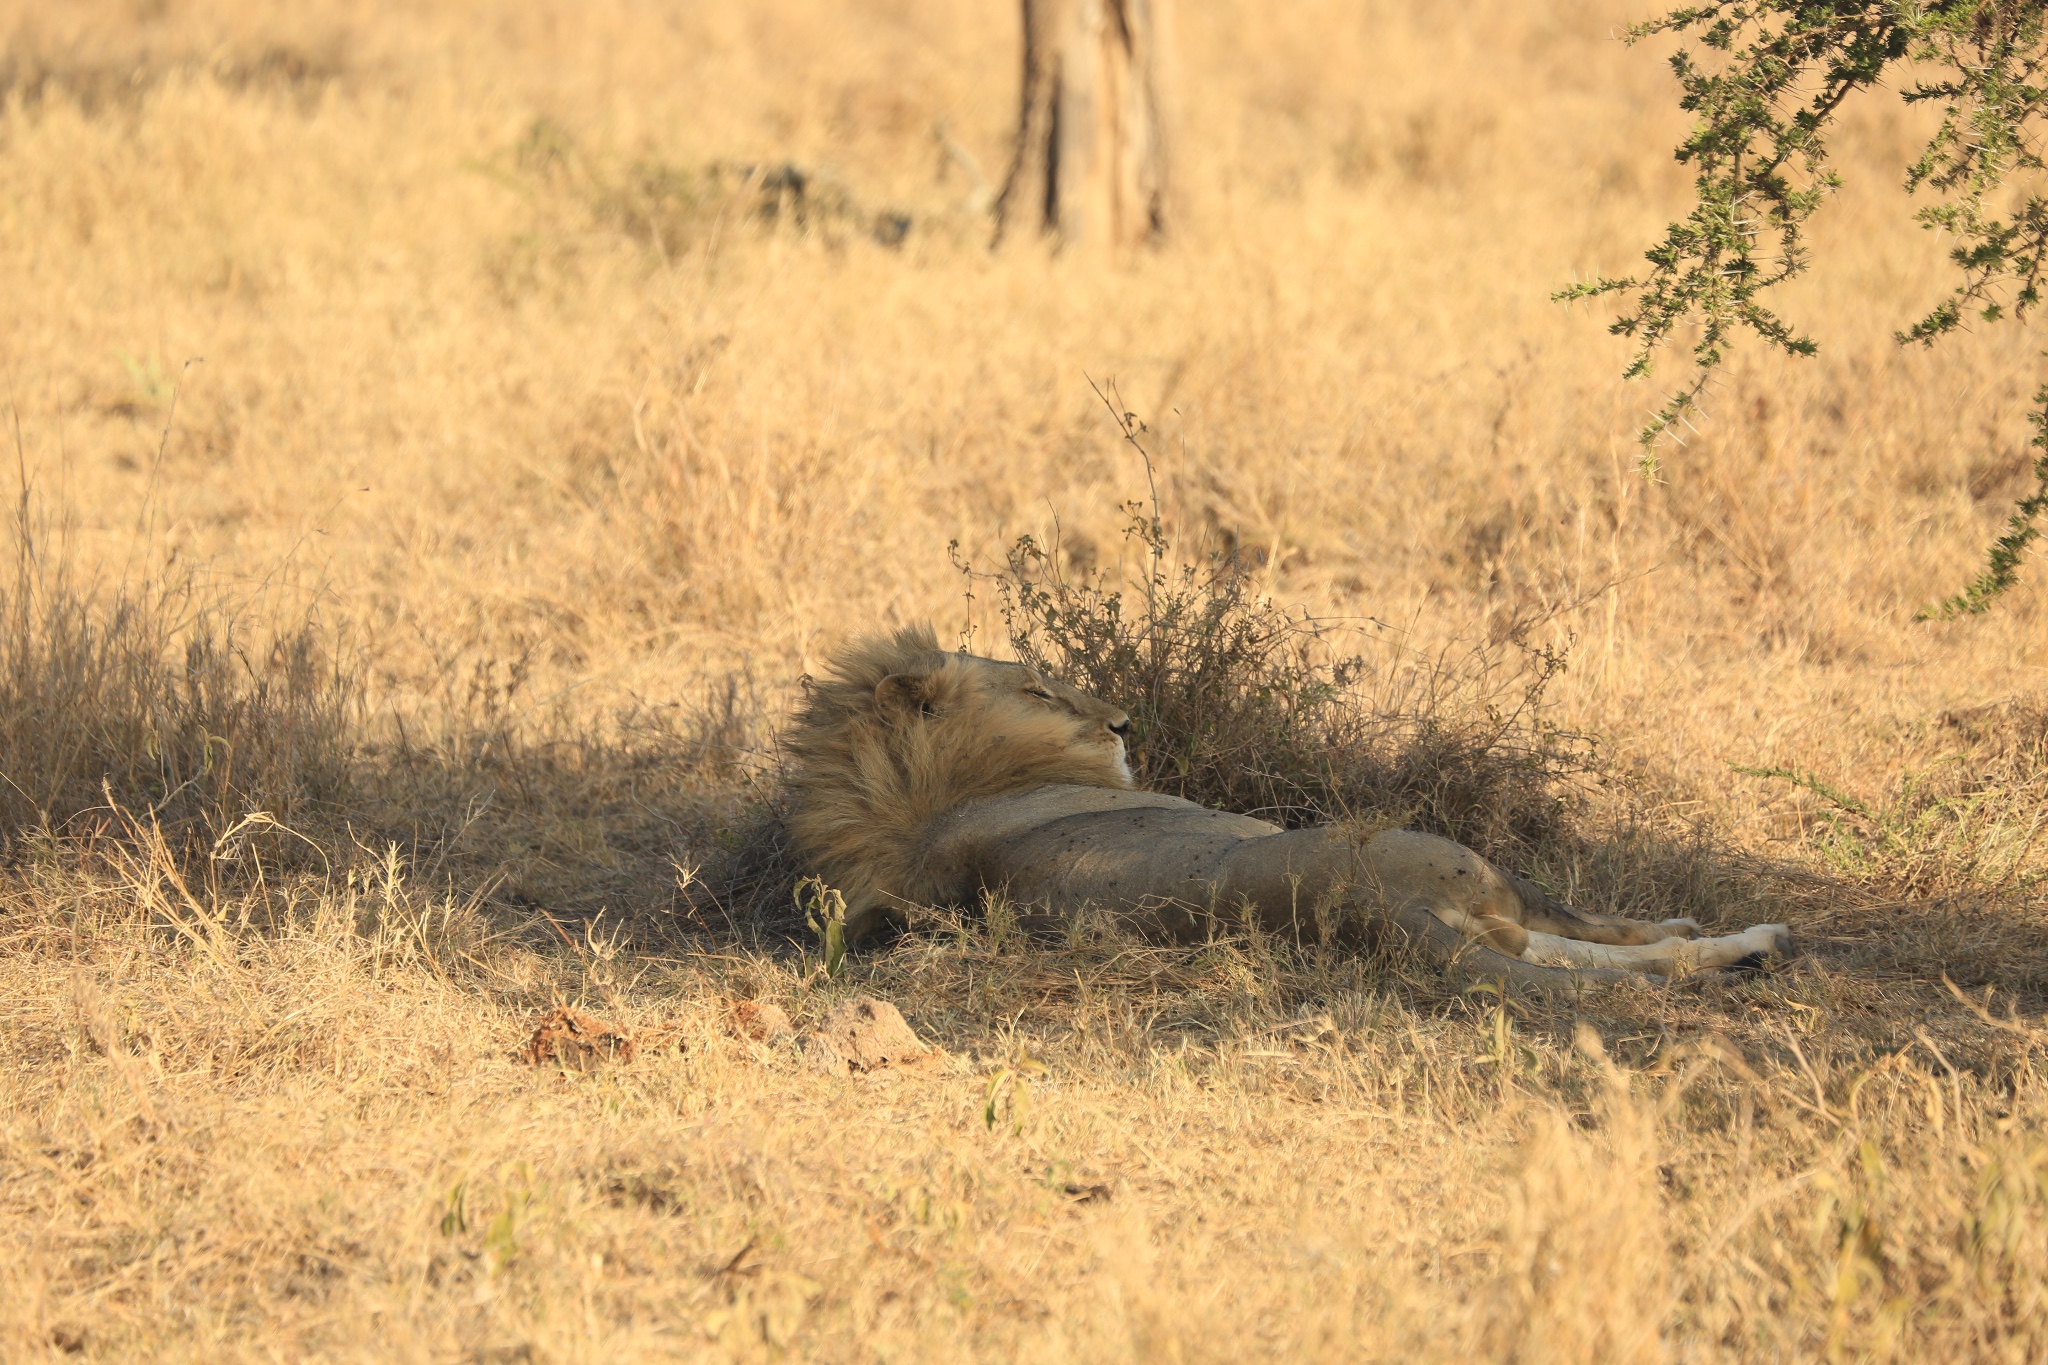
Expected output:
(907, 694)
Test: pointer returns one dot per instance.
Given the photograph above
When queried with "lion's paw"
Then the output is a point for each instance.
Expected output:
(1769, 944)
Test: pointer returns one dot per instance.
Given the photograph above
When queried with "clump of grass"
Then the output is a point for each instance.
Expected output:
(155, 696)
(642, 815)
(1973, 821)
(1940, 868)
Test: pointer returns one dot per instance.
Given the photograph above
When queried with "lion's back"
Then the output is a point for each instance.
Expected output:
(1059, 848)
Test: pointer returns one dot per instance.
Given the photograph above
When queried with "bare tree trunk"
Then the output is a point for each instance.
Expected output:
(1091, 156)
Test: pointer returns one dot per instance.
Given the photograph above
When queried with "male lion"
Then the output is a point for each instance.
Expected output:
(927, 777)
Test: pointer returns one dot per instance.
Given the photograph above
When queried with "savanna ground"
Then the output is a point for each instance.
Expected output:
(412, 662)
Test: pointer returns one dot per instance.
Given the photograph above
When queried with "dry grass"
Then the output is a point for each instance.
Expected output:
(536, 451)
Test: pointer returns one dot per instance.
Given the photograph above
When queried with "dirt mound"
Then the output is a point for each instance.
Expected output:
(862, 1035)
(574, 1039)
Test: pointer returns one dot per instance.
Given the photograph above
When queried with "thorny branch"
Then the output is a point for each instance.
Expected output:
(1765, 85)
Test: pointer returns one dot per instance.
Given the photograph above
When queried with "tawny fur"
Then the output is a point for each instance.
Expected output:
(872, 770)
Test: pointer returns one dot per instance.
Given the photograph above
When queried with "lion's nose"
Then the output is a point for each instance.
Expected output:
(1121, 727)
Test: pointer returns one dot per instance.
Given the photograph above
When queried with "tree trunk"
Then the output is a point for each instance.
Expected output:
(1090, 164)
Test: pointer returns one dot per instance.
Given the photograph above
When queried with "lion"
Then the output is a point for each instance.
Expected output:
(927, 777)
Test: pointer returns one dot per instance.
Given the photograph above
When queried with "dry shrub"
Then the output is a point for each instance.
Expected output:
(1241, 704)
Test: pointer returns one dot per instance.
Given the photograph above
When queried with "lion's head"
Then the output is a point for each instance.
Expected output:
(900, 731)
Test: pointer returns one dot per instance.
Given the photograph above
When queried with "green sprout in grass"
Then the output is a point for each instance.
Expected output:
(825, 915)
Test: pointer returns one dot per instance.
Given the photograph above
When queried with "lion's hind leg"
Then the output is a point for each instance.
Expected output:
(1503, 936)
(1485, 908)
(1543, 913)
(1664, 956)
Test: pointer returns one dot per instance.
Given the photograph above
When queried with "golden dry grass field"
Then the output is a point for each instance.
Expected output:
(425, 439)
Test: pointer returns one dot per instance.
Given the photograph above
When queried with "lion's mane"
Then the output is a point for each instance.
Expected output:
(898, 732)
